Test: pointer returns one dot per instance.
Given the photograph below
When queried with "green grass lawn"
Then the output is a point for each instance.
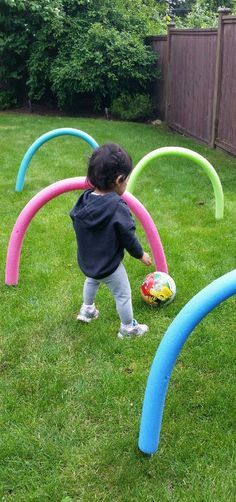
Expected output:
(71, 394)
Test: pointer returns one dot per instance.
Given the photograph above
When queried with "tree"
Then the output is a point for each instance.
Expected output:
(20, 23)
(182, 8)
(67, 49)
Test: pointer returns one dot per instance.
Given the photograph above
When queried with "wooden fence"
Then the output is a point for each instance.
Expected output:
(196, 93)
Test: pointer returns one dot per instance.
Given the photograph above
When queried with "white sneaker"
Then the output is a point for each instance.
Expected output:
(135, 330)
(87, 315)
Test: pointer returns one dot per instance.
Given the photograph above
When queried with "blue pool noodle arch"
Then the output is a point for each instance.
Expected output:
(176, 335)
(63, 131)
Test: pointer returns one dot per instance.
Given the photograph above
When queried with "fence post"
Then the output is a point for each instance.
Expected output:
(218, 74)
(171, 25)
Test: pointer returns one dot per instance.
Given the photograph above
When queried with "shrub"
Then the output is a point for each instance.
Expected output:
(200, 16)
(6, 100)
(101, 62)
(68, 49)
(128, 107)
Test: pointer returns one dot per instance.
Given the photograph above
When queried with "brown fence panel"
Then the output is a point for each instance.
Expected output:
(159, 45)
(226, 113)
(196, 92)
(191, 76)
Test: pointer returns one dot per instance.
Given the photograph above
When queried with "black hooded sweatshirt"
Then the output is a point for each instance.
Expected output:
(104, 228)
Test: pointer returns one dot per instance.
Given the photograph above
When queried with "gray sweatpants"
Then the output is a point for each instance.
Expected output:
(119, 285)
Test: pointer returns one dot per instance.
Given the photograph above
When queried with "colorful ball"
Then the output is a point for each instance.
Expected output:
(158, 288)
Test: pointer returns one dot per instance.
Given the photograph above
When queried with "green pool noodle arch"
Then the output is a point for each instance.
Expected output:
(177, 151)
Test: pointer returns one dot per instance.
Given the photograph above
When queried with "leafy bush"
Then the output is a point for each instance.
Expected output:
(101, 62)
(132, 107)
(68, 49)
(6, 100)
(201, 16)
(21, 23)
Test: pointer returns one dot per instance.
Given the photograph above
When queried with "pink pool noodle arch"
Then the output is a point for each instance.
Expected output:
(58, 188)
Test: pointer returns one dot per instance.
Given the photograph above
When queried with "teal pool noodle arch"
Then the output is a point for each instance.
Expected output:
(171, 344)
(191, 155)
(63, 131)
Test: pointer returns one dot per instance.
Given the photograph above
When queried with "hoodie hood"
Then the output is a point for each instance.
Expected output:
(95, 210)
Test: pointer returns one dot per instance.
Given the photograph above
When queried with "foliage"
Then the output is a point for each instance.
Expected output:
(6, 99)
(132, 107)
(194, 13)
(66, 49)
(101, 62)
(215, 4)
(173, 6)
(20, 24)
(200, 17)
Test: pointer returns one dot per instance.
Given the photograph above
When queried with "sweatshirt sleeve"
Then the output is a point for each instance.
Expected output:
(126, 229)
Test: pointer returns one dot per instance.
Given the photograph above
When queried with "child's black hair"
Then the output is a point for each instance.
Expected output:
(106, 163)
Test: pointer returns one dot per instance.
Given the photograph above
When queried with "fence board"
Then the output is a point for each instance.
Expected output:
(226, 131)
(191, 82)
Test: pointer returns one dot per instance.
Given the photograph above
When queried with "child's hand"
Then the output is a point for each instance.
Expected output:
(146, 259)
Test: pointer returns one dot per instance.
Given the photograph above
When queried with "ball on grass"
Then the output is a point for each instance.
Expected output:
(158, 288)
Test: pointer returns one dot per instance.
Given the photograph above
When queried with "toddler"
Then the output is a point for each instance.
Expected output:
(104, 228)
